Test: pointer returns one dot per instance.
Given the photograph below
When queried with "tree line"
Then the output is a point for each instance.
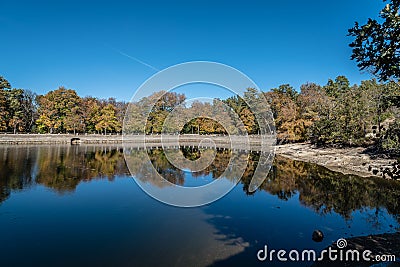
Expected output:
(338, 114)
(333, 114)
(58, 111)
(169, 112)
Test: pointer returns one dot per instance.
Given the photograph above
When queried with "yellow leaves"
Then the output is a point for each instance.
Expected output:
(248, 119)
(3, 109)
(291, 125)
(107, 120)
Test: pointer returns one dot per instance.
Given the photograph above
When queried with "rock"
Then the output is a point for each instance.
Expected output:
(317, 236)
(356, 161)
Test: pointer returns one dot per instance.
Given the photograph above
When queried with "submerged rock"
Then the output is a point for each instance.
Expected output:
(317, 236)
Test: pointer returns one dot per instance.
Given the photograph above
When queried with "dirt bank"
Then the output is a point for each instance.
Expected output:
(346, 160)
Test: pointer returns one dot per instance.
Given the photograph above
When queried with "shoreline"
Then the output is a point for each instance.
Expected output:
(44, 139)
(344, 160)
(27, 139)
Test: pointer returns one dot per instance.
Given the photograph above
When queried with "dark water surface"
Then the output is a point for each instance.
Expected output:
(79, 206)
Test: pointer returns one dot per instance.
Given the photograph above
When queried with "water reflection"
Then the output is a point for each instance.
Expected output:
(326, 191)
(62, 168)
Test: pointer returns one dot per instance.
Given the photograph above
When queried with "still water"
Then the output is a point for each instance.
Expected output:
(79, 206)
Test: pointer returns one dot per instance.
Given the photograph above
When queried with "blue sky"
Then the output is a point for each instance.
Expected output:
(84, 46)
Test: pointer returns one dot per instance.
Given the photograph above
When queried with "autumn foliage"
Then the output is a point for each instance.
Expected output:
(336, 114)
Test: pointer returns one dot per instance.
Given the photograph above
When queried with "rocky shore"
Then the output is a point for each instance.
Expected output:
(345, 160)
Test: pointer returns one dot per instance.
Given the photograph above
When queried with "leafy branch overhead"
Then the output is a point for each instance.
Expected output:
(376, 46)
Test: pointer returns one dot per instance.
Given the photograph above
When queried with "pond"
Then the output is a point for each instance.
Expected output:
(80, 206)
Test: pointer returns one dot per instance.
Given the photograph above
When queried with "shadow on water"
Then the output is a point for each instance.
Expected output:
(317, 188)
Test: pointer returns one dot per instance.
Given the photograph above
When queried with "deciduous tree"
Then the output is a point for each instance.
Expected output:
(376, 46)
(107, 120)
(59, 111)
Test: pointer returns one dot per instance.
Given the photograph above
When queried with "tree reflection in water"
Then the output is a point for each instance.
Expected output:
(62, 168)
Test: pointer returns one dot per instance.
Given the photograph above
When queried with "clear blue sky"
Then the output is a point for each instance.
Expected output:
(46, 44)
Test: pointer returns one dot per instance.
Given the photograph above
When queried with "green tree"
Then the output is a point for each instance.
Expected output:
(339, 114)
(163, 103)
(286, 89)
(239, 107)
(337, 87)
(252, 110)
(376, 46)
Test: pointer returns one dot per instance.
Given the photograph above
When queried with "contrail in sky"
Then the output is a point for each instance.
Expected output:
(134, 58)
